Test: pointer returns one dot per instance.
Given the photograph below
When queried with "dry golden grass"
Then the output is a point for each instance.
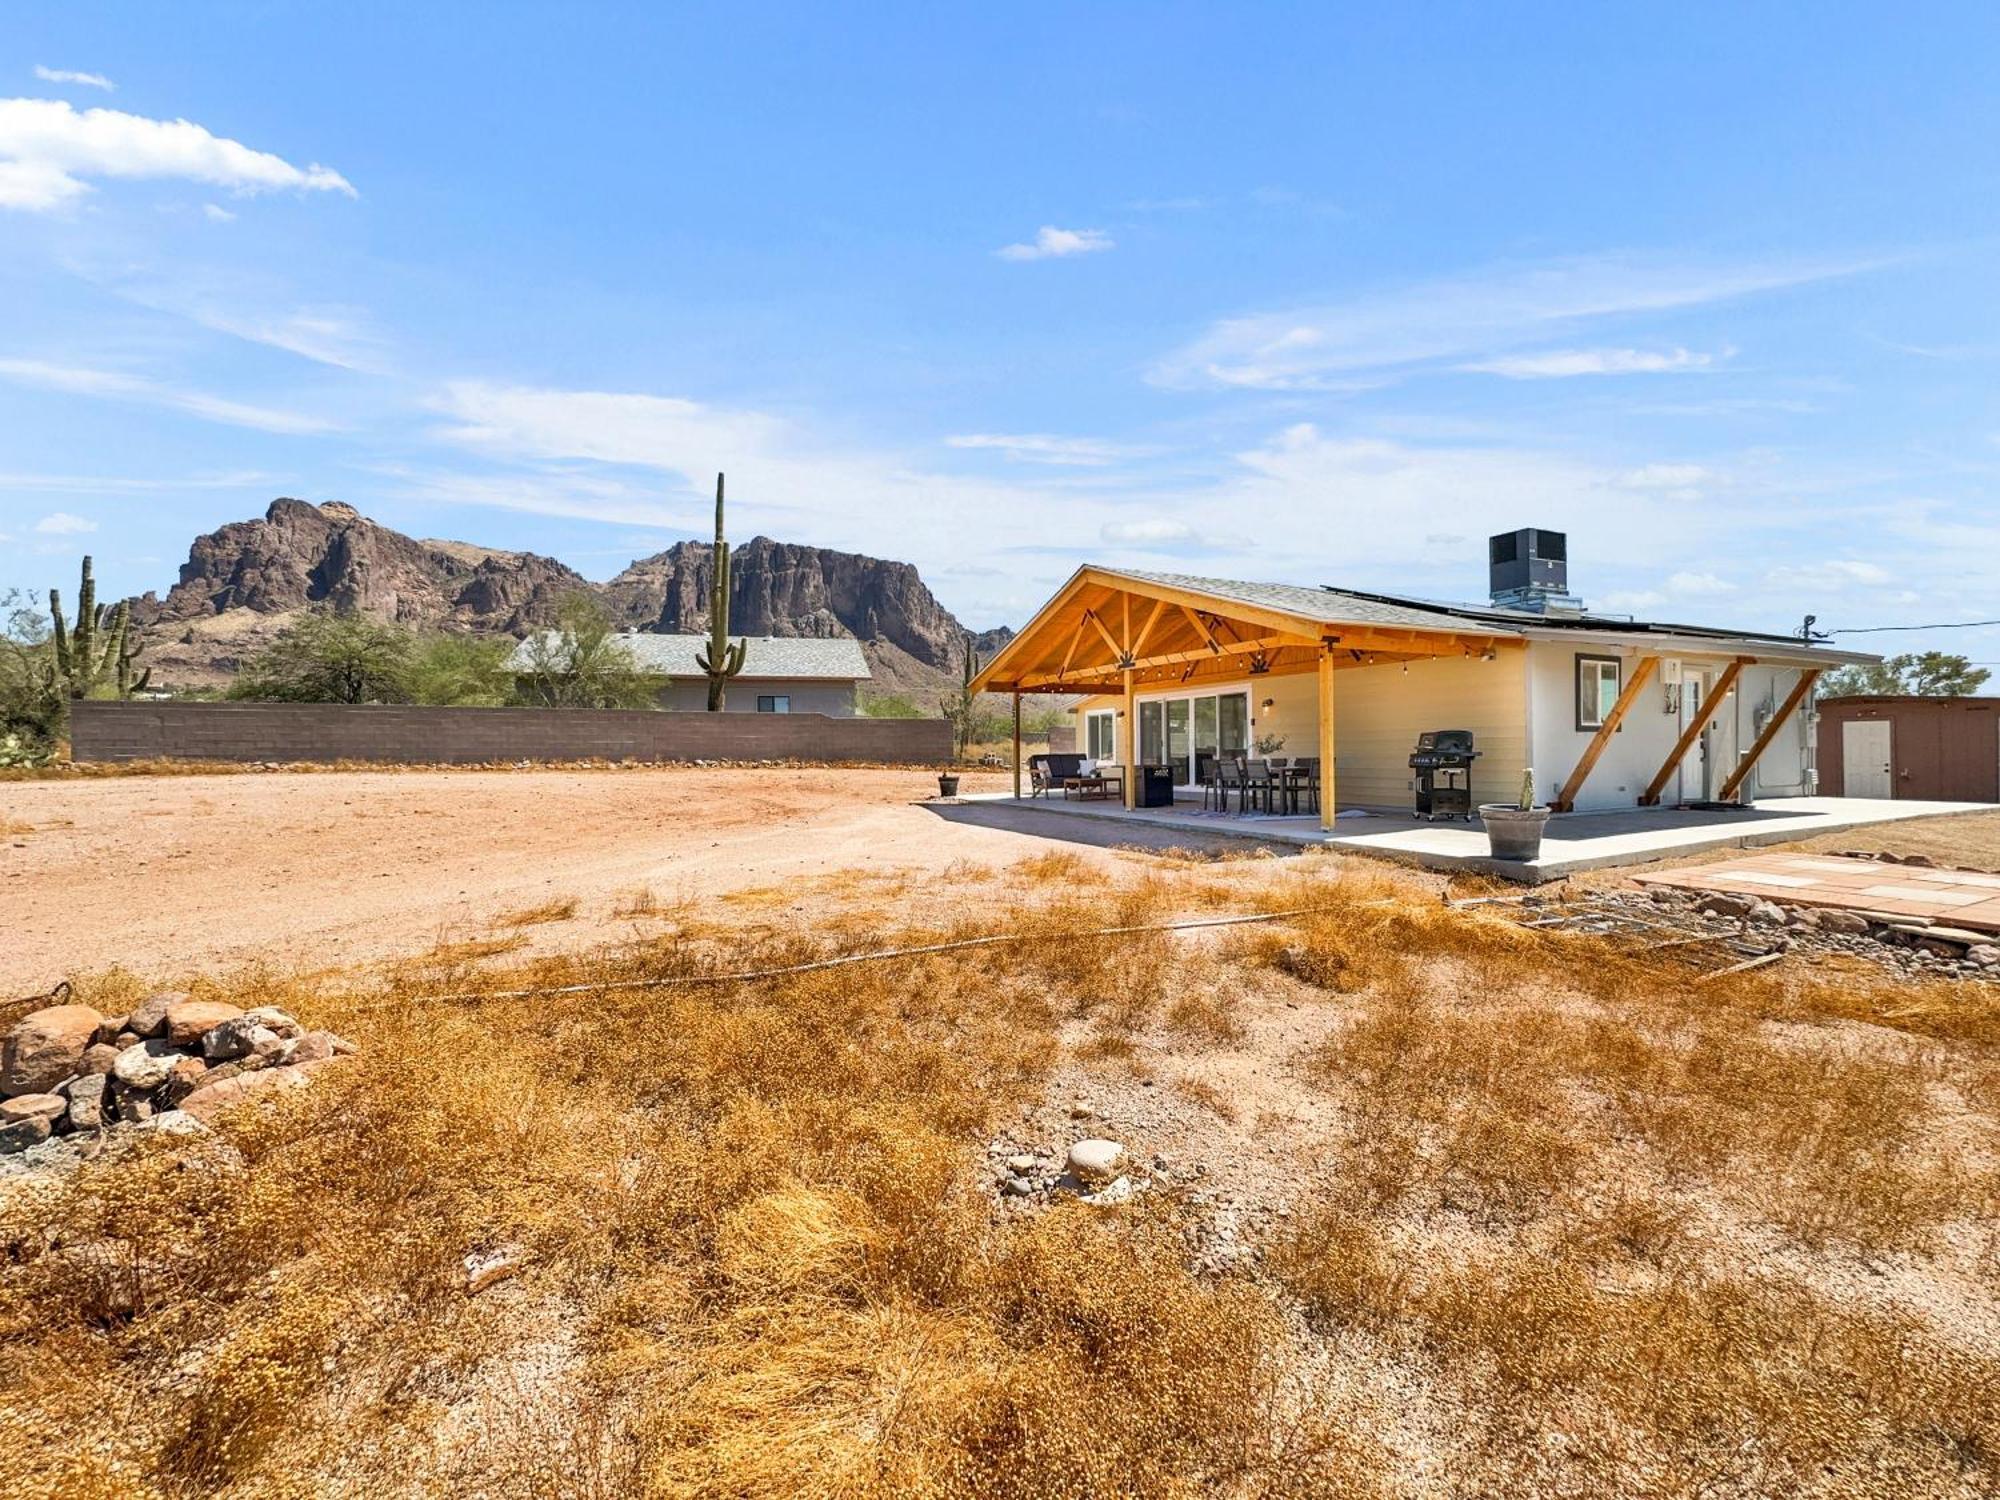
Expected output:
(1585, 1229)
(557, 909)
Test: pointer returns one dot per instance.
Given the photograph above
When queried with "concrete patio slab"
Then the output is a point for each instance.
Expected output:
(1573, 842)
(1961, 898)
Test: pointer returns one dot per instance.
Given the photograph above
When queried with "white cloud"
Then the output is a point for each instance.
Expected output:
(218, 213)
(1557, 364)
(1045, 448)
(48, 149)
(1141, 533)
(1479, 315)
(1834, 574)
(1695, 584)
(66, 75)
(1666, 477)
(62, 523)
(115, 385)
(1051, 243)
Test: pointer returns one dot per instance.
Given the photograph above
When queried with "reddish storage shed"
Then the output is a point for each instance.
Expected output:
(1927, 749)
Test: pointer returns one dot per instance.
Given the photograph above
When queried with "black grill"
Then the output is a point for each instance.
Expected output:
(1443, 763)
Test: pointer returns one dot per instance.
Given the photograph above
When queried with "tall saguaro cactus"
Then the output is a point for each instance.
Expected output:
(721, 659)
(961, 707)
(98, 646)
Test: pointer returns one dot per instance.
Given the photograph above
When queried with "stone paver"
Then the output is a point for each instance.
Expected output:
(1962, 898)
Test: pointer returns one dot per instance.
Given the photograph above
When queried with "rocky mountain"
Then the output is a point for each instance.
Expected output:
(241, 582)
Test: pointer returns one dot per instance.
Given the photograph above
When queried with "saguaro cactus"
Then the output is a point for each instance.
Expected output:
(959, 707)
(100, 645)
(721, 659)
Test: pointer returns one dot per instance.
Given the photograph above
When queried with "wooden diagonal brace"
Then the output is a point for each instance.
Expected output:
(1717, 696)
(1573, 783)
(1763, 742)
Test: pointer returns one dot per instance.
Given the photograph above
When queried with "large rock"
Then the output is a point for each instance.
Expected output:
(48, 1107)
(98, 1057)
(275, 1020)
(149, 1016)
(22, 1134)
(86, 1101)
(235, 1038)
(1848, 923)
(1095, 1160)
(205, 1104)
(46, 1047)
(184, 1080)
(144, 1066)
(191, 1020)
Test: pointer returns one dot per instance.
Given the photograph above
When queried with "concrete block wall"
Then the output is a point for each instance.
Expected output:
(107, 731)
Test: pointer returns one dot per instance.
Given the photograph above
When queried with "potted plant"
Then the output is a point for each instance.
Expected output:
(947, 783)
(1514, 831)
(1269, 744)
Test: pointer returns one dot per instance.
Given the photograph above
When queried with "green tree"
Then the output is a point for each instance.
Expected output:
(1920, 674)
(31, 710)
(584, 663)
(891, 706)
(326, 657)
(461, 671)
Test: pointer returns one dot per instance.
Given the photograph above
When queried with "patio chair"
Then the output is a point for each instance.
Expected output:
(1212, 785)
(1304, 785)
(1228, 778)
(1259, 785)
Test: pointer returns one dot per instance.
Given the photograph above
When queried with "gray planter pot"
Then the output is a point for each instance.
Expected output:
(947, 786)
(1513, 832)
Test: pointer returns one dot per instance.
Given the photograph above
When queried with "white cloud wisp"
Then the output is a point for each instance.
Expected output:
(70, 75)
(115, 385)
(1051, 243)
(48, 149)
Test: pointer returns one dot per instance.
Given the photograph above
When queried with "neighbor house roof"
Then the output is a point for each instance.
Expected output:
(768, 657)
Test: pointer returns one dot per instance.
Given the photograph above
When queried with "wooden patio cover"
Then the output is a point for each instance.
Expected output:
(1113, 631)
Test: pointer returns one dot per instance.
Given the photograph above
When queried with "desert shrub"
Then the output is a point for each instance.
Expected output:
(584, 663)
(326, 656)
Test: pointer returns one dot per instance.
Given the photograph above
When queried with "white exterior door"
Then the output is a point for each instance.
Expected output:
(1865, 755)
(1694, 766)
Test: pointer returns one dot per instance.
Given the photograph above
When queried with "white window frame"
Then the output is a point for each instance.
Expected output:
(1110, 718)
(1592, 710)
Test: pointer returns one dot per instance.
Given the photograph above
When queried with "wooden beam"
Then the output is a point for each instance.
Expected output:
(1146, 630)
(1807, 678)
(1200, 628)
(1068, 655)
(1131, 787)
(1175, 658)
(1126, 600)
(1326, 737)
(1117, 651)
(1711, 705)
(1017, 747)
(1573, 783)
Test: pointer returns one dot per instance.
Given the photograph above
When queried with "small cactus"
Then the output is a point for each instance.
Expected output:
(99, 645)
(959, 708)
(1528, 789)
(721, 659)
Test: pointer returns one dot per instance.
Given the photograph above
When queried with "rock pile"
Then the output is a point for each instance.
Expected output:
(1913, 947)
(170, 1064)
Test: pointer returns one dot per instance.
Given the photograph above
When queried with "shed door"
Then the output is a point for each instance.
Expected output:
(1864, 758)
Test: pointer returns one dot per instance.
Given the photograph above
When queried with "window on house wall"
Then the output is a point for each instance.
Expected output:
(1097, 735)
(1598, 682)
(774, 703)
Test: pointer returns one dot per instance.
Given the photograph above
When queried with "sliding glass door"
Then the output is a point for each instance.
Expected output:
(1188, 733)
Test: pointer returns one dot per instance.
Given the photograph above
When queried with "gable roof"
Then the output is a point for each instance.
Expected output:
(768, 657)
(1328, 606)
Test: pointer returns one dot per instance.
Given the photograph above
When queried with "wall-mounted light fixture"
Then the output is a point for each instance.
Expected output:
(1268, 704)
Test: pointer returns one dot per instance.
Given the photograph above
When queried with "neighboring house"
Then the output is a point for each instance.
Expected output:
(1936, 749)
(1609, 712)
(782, 674)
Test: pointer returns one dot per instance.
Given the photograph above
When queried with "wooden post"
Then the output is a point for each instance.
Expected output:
(1017, 747)
(1711, 705)
(1573, 783)
(1131, 741)
(1797, 696)
(1326, 737)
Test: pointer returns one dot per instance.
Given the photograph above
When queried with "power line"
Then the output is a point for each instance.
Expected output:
(1877, 629)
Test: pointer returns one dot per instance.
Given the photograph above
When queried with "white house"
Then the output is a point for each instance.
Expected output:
(781, 674)
(1608, 712)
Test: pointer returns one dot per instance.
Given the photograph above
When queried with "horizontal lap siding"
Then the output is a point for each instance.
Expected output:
(1378, 714)
(463, 736)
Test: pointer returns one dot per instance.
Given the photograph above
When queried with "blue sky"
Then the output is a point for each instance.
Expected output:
(1313, 293)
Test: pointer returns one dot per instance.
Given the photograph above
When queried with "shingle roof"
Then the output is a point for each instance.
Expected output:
(1330, 606)
(769, 657)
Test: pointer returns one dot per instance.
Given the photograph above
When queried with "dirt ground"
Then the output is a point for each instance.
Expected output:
(180, 873)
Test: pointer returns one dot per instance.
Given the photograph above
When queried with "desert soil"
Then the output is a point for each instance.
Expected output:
(169, 875)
